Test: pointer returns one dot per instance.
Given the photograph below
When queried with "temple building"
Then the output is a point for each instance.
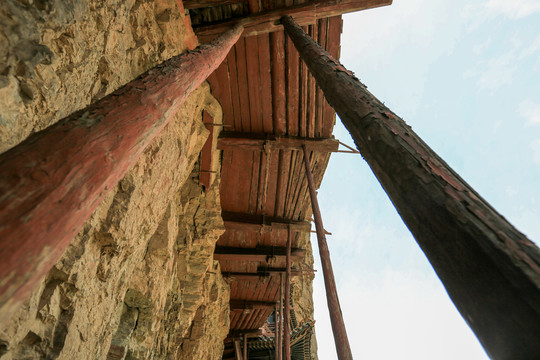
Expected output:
(159, 168)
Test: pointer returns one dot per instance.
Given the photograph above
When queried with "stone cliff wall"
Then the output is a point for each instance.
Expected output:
(139, 281)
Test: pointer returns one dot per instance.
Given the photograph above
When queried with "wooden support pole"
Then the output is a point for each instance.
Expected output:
(281, 310)
(287, 300)
(341, 340)
(237, 304)
(260, 253)
(245, 347)
(232, 141)
(490, 270)
(276, 331)
(52, 182)
(237, 350)
(305, 14)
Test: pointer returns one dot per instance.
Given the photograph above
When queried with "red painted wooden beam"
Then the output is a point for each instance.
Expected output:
(260, 253)
(261, 223)
(236, 304)
(52, 182)
(197, 4)
(490, 270)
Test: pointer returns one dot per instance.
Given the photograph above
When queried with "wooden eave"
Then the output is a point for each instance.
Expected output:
(271, 107)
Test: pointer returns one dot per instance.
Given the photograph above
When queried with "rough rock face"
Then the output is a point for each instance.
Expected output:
(139, 281)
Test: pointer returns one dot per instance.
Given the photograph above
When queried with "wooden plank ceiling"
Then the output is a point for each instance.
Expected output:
(271, 106)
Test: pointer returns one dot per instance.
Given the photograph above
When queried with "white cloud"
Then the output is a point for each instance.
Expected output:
(498, 72)
(501, 70)
(408, 310)
(530, 111)
(514, 9)
(535, 147)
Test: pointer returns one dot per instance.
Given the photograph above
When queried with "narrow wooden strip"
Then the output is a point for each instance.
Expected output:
(272, 184)
(290, 182)
(255, 182)
(321, 101)
(243, 88)
(303, 97)
(253, 84)
(254, 6)
(281, 186)
(266, 159)
(293, 61)
(235, 92)
(333, 45)
(265, 83)
(243, 166)
(311, 92)
(277, 42)
(197, 4)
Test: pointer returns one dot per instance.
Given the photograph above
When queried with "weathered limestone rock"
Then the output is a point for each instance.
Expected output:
(139, 281)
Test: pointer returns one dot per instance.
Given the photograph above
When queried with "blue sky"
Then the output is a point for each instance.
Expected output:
(466, 76)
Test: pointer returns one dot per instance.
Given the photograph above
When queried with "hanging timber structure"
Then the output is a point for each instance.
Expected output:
(274, 141)
(272, 109)
(490, 270)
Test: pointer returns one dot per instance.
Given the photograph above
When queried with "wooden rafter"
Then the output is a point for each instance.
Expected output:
(237, 304)
(197, 4)
(261, 273)
(250, 222)
(303, 14)
(261, 253)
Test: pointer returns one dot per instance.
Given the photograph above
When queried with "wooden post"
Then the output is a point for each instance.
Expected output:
(287, 317)
(52, 182)
(490, 270)
(245, 347)
(276, 331)
(237, 350)
(341, 340)
(281, 310)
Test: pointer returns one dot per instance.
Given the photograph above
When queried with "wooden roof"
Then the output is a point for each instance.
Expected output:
(271, 107)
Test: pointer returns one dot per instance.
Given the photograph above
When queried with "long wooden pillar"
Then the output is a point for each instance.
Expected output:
(281, 310)
(341, 340)
(287, 300)
(52, 182)
(490, 270)
(276, 331)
